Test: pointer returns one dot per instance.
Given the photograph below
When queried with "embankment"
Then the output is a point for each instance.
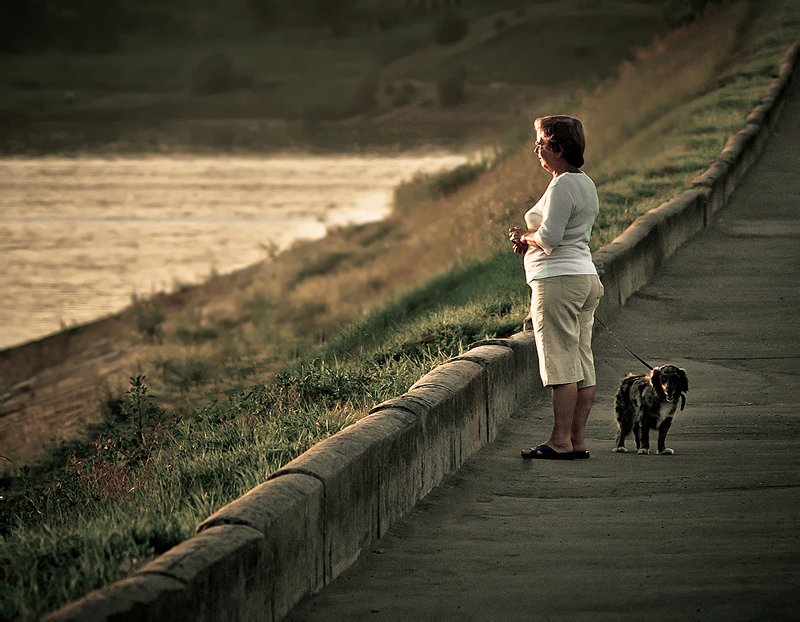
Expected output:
(257, 556)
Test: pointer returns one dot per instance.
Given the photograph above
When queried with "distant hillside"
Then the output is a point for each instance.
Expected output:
(259, 75)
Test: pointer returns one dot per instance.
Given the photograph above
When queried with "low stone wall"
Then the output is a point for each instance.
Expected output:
(258, 556)
(255, 558)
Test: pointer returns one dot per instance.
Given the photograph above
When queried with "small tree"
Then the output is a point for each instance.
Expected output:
(140, 409)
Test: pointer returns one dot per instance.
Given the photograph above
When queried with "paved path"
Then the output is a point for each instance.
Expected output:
(710, 533)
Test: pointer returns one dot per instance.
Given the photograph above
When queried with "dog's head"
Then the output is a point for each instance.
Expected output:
(670, 382)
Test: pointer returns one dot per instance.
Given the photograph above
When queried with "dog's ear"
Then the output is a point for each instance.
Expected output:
(655, 381)
(684, 380)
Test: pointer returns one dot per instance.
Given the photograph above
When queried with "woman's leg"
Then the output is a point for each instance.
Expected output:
(563, 311)
(565, 401)
(586, 387)
(583, 406)
(571, 408)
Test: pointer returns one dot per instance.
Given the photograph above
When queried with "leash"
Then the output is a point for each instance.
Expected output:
(619, 341)
(638, 358)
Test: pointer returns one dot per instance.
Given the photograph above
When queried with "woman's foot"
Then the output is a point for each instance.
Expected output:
(545, 452)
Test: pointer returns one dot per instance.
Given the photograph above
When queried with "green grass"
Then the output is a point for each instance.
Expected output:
(99, 509)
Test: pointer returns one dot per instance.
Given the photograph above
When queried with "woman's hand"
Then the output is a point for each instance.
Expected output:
(516, 237)
(515, 234)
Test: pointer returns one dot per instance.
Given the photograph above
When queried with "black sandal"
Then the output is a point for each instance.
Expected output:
(545, 452)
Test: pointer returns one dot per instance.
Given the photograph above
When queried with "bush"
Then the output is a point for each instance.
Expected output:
(450, 29)
(450, 87)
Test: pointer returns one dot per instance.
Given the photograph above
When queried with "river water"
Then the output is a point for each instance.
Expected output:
(79, 237)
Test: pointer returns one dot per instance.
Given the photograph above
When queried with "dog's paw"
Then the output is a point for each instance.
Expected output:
(619, 450)
(643, 451)
(667, 452)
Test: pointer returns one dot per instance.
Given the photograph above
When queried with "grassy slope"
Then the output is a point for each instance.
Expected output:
(89, 529)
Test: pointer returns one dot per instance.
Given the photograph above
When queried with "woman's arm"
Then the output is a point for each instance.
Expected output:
(521, 239)
(521, 235)
(557, 206)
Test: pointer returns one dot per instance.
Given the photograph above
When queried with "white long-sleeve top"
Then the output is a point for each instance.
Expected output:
(563, 220)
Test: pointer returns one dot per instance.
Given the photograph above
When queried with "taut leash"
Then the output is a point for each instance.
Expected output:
(619, 341)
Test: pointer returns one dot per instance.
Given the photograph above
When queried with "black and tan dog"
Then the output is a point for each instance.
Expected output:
(649, 401)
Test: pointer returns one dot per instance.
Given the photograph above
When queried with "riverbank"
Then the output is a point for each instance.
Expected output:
(52, 388)
(80, 236)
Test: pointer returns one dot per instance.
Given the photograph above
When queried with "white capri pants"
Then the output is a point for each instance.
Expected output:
(562, 310)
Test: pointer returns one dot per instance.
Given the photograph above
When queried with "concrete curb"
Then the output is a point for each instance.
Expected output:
(259, 555)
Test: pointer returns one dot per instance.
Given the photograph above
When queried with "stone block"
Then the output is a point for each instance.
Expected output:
(289, 514)
(361, 470)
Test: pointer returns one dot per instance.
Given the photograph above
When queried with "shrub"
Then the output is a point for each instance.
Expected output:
(450, 87)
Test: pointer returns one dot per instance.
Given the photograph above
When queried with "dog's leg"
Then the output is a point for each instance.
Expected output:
(663, 450)
(624, 423)
(643, 442)
(637, 434)
(620, 439)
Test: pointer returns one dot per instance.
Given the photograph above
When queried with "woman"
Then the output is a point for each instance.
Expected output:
(564, 283)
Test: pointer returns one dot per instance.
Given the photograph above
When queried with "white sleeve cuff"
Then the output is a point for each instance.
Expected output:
(537, 237)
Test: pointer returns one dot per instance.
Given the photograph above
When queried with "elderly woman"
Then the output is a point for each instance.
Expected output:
(565, 287)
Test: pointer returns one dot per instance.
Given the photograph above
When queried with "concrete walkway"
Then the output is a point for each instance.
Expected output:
(710, 533)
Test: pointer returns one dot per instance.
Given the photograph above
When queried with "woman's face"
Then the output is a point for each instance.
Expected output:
(543, 150)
